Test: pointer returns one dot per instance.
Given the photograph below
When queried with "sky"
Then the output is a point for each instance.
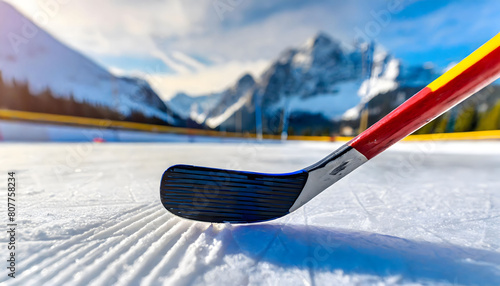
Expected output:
(203, 46)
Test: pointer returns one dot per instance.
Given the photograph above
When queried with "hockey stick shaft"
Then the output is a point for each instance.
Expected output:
(467, 77)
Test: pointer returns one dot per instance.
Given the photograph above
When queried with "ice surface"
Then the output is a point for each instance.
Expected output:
(418, 214)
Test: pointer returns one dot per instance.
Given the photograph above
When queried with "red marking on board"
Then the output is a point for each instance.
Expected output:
(98, 140)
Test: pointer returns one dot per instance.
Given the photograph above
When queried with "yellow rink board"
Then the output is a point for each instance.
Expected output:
(103, 123)
(472, 135)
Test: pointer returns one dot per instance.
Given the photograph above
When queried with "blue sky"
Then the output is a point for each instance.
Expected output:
(201, 46)
(441, 31)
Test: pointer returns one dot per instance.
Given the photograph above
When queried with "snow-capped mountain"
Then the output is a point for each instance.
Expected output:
(30, 55)
(318, 77)
(314, 88)
(321, 79)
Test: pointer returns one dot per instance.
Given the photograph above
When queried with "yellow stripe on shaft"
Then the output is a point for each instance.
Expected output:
(466, 63)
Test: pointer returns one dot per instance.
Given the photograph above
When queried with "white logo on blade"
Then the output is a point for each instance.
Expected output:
(320, 178)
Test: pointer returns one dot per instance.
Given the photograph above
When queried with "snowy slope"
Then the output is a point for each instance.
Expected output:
(231, 100)
(331, 105)
(383, 78)
(194, 107)
(419, 214)
(29, 54)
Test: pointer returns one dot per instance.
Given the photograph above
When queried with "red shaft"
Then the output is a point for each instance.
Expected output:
(426, 105)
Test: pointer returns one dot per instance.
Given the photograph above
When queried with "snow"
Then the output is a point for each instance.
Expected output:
(193, 107)
(331, 105)
(215, 121)
(316, 50)
(418, 214)
(381, 81)
(384, 78)
(352, 113)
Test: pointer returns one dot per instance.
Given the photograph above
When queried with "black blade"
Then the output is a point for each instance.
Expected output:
(216, 195)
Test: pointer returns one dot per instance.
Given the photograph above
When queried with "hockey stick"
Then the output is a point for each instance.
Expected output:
(216, 195)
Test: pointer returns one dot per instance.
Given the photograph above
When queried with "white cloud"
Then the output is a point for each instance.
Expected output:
(185, 59)
(205, 80)
(114, 27)
(172, 63)
(249, 37)
(266, 38)
(118, 27)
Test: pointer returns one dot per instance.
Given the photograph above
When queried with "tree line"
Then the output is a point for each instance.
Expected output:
(17, 96)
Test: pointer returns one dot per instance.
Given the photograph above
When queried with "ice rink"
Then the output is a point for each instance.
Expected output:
(90, 214)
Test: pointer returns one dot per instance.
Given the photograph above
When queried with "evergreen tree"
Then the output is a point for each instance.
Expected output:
(466, 119)
(441, 123)
(17, 96)
(490, 120)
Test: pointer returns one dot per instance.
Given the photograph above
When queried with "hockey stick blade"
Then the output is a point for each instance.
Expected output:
(216, 195)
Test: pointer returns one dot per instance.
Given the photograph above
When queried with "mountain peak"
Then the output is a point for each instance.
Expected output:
(246, 79)
(319, 40)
